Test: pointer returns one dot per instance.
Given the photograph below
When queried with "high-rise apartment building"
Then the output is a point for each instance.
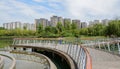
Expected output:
(5, 25)
(83, 24)
(77, 22)
(91, 23)
(54, 21)
(26, 26)
(41, 21)
(37, 22)
(16, 25)
(12, 25)
(105, 22)
(67, 20)
(60, 19)
(96, 21)
(32, 27)
(44, 22)
(48, 23)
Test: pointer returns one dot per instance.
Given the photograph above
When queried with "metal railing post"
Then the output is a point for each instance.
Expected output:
(118, 47)
(108, 44)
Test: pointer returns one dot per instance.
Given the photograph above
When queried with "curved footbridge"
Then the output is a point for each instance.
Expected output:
(7, 62)
(100, 54)
(24, 60)
(104, 60)
(105, 53)
(73, 55)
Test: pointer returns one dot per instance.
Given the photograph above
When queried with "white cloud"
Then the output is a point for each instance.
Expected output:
(48, 1)
(83, 8)
(16, 10)
(38, 0)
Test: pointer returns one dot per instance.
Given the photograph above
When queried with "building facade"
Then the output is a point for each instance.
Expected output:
(83, 24)
(12, 25)
(60, 19)
(18, 25)
(54, 21)
(96, 21)
(91, 23)
(77, 22)
(67, 20)
(105, 22)
(37, 22)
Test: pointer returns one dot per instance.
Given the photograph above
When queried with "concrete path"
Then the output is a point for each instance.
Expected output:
(7, 62)
(104, 60)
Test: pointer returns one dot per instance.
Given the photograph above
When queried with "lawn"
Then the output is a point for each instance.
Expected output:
(5, 42)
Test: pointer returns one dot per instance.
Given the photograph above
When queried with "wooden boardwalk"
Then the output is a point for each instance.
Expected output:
(104, 60)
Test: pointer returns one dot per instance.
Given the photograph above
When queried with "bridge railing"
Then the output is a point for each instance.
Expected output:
(1, 62)
(78, 53)
(111, 45)
(13, 61)
(35, 57)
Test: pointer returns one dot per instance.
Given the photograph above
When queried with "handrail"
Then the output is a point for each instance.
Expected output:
(78, 53)
(39, 38)
(88, 59)
(66, 57)
(51, 64)
(13, 59)
(107, 46)
(1, 62)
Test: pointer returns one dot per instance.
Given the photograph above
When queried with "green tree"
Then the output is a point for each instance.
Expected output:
(2, 28)
(67, 25)
(73, 26)
(84, 31)
(25, 28)
(48, 29)
(98, 29)
(60, 28)
(40, 29)
(113, 28)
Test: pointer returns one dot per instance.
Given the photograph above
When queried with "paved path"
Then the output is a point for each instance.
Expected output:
(104, 60)
(26, 61)
(7, 62)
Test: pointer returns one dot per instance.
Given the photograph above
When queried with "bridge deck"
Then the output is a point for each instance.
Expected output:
(104, 60)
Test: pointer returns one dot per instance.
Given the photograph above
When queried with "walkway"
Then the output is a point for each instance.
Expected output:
(104, 60)
(28, 60)
(7, 62)
(24, 64)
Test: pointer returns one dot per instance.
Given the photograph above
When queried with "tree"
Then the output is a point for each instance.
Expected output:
(2, 28)
(59, 27)
(67, 25)
(98, 29)
(84, 31)
(76, 33)
(48, 29)
(75, 30)
(113, 28)
(40, 29)
(73, 26)
(25, 28)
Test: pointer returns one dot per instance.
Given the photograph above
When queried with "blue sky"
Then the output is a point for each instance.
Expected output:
(85, 10)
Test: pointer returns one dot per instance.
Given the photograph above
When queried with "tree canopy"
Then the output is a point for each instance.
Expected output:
(67, 30)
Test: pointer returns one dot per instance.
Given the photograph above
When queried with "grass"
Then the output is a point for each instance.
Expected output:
(92, 37)
(84, 38)
(4, 43)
